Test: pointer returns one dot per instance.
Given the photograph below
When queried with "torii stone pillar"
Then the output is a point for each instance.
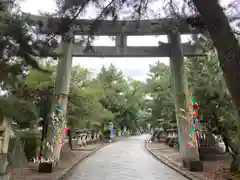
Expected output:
(190, 155)
(62, 84)
(63, 80)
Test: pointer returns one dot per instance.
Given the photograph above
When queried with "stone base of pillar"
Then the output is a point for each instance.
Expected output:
(5, 176)
(45, 167)
(3, 163)
(193, 165)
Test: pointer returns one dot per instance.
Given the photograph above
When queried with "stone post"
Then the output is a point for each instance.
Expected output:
(5, 127)
(121, 43)
(190, 155)
(119, 133)
(5, 130)
(59, 104)
(63, 79)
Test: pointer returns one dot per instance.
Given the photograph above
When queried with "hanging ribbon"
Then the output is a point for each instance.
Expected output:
(192, 116)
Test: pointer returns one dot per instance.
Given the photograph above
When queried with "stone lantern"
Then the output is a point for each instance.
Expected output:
(172, 132)
(172, 135)
(208, 146)
(162, 135)
(79, 137)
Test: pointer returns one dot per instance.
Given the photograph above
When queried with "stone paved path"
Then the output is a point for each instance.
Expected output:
(124, 160)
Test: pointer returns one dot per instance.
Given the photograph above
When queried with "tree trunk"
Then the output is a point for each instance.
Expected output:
(234, 167)
(225, 42)
(70, 139)
(5, 130)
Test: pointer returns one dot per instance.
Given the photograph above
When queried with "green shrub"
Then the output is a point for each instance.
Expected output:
(30, 146)
(31, 141)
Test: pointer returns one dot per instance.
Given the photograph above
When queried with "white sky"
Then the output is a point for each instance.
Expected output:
(136, 68)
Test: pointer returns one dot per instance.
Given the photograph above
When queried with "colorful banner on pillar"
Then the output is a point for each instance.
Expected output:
(192, 116)
(60, 131)
(60, 140)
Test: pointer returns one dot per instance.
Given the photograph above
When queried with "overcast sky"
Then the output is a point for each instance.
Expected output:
(136, 68)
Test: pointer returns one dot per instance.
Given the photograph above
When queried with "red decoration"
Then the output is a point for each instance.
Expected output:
(65, 130)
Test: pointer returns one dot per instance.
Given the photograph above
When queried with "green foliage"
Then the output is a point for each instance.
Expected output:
(31, 141)
(19, 110)
(19, 49)
(124, 98)
(207, 83)
(216, 105)
(38, 79)
(161, 103)
(84, 106)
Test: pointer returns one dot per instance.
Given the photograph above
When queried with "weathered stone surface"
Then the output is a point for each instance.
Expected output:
(131, 51)
(16, 155)
(5, 177)
(124, 160)
(208, 149)
(193, 166)
(66, 152)
(143, 27)
(45, 167)
(3, 163)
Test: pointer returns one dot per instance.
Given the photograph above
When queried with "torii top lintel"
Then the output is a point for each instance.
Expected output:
(110, 28)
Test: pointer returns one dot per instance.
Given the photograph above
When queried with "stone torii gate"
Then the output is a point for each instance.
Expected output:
(121, 29)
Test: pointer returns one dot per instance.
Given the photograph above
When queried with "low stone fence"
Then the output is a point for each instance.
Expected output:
(87, 137)
(169, 137)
